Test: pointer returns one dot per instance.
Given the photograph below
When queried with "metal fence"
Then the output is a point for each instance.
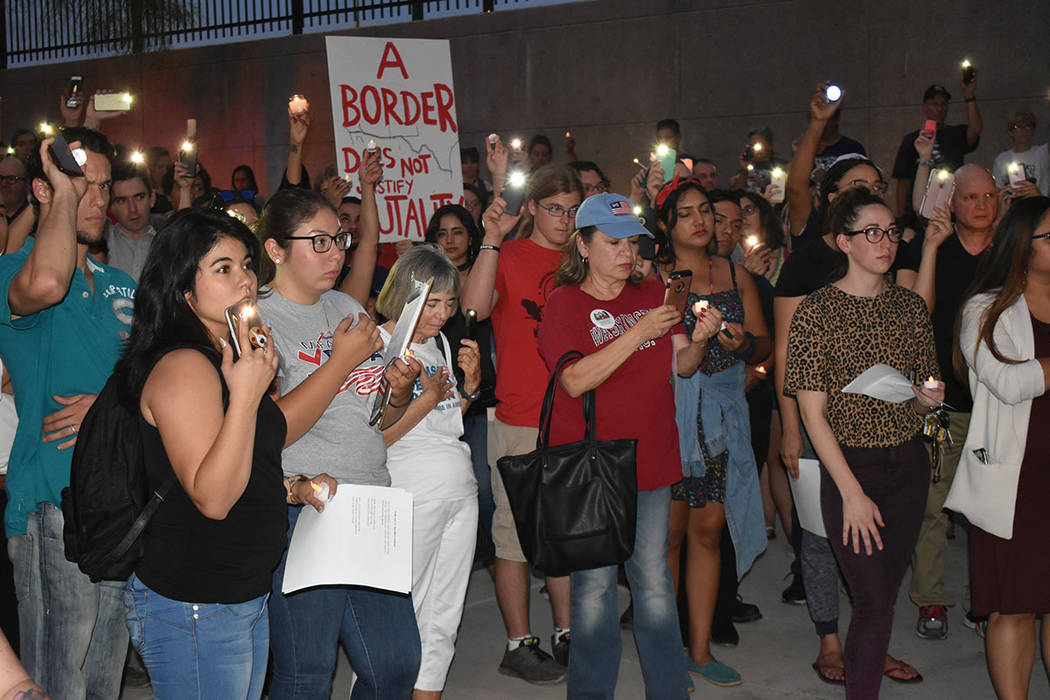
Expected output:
(36, 32)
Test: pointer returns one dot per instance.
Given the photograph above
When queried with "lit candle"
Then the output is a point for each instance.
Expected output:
(760, 369)
(372, 145)
(700, 306)
(931, 383)
(297, 104)
(320, 491)
(568, 134)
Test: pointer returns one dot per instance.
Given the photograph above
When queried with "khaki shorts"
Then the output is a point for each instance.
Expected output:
(510, 440)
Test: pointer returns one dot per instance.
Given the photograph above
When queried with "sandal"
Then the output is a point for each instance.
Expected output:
(828, 679)
(902, 667)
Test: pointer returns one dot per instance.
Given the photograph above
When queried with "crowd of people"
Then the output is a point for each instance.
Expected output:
(801, 275)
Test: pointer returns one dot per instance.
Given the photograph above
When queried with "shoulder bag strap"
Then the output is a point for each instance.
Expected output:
(543, 438)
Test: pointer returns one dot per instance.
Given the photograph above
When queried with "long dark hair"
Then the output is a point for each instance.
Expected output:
(473, 232)
(668, 214)
(771, 228)
(842, 216)
(163, 318)
(1003, 270)
(247, 170)
(831, 182)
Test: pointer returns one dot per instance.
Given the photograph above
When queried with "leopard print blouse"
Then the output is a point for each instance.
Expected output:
(835, 336)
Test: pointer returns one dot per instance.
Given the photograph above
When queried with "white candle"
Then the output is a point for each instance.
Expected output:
(931, 383)
(700, 306)
(297, 104)
(320, 491)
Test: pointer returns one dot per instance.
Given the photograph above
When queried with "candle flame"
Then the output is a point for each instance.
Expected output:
(316, 487)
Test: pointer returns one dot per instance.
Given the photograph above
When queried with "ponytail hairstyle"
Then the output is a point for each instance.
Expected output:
(842, 216)
(284, 212)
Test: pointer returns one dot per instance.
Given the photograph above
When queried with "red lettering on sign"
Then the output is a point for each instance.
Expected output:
(375, 105)
(391, 59)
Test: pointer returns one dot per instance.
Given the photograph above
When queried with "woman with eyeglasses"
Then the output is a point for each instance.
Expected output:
(1003, 346)
(330, 367)
(720, 481)
(761, 237)
(809, 267)
(875, 468)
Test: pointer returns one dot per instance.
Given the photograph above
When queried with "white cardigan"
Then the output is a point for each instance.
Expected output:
(986, 492)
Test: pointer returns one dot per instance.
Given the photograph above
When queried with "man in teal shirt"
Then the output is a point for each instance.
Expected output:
(61, 328)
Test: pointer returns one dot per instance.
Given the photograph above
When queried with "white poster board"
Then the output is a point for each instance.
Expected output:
(398, 93)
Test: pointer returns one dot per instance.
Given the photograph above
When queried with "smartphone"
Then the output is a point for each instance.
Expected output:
(471, 326)
(677, 293)
(112, 101)
(939, 190)
(777, 182)
(258, 333)
(666, 157)
(968, 72)
(67, 161)
(76, 85)
(514, 192)
(188, 156)
(930, 126)
(1016, 173)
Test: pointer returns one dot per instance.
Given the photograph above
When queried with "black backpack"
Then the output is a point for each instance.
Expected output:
(108, 501)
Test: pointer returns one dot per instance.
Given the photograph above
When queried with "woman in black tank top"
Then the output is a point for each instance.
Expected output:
(197, 600)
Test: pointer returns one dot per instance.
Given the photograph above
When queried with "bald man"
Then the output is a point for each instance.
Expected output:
(940, 267)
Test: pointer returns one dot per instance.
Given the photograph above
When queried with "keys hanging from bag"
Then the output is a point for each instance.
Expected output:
(574, 505)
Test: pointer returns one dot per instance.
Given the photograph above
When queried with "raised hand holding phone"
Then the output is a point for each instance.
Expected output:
(250, 376)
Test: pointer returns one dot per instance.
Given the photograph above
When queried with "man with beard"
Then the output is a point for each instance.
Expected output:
(62, 322)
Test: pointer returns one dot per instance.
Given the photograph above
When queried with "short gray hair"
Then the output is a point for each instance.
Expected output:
(421, 263)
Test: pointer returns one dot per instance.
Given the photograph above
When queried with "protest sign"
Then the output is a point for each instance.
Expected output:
(398, 94)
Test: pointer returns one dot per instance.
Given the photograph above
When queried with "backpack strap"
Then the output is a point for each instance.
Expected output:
(143, 519)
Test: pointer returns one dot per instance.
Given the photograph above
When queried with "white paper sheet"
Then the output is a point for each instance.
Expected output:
(806, 492)
(363, 538)
(882, 382)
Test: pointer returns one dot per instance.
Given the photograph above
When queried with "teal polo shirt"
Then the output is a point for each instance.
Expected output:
(66, 349)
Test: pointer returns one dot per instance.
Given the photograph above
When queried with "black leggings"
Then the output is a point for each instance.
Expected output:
(896, 479)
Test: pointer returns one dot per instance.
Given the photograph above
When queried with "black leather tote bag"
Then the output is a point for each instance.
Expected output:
(574, 505)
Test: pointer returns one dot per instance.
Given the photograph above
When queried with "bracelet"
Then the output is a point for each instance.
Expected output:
(473, 396)
(391, 404)
(289, 484)
(486, 246)
(927, 163)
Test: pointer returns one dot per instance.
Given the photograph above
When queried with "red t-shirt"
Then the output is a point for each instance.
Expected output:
(637, 400)
(524, 278)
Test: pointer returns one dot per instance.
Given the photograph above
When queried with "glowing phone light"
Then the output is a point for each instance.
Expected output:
(137, 158)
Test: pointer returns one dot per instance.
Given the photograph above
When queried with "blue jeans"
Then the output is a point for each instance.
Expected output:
(198, 650)
(377, 628)
(595, 659)
(476, 434)
(73, 640)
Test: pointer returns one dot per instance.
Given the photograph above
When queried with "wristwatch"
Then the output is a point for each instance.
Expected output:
(472, 397)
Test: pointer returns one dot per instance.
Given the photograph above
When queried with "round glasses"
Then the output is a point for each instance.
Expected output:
(322, 242)
(874, 234)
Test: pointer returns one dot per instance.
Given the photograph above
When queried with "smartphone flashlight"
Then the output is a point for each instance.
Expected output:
(752, 242)
(127, 98)
(756, 147)
(968, 72)
(750, 167)
(943, 174)
(186, 146)
(10, 150)
(516, 144)
(46, 129)
(662, 150)
(137, 158)
(833, 93)
(516, 179)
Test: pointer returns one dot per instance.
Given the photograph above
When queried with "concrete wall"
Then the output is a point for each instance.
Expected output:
(607, 69)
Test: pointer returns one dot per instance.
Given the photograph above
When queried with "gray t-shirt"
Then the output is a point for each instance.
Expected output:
(127, 253)
(341, 443)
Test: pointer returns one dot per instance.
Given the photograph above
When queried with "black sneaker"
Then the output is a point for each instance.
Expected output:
(560, 648)
(724, 633)
(794, 594)
(745, 612)
(531, 664)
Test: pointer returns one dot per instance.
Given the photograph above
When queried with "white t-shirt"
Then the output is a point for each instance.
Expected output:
(430, 461)
(1036, 162)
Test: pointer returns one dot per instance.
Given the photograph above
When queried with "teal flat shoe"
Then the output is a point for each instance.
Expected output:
(716, 672)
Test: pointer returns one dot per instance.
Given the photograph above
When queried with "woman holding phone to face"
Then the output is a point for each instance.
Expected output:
(329, 372)
(875, 469)
(197, 600)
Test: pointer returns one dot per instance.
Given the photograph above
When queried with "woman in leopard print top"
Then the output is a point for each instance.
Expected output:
(875, 470)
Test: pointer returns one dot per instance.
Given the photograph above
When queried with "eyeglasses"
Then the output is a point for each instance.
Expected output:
(322, 242)
(874, 234)
(878, 187)
(11, 179)
(595, 188)
(557, 211)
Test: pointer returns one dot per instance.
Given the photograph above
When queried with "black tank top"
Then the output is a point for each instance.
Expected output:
(195, 559)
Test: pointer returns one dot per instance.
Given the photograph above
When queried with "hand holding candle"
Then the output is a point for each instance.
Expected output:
(298, 105)
(931, 394)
